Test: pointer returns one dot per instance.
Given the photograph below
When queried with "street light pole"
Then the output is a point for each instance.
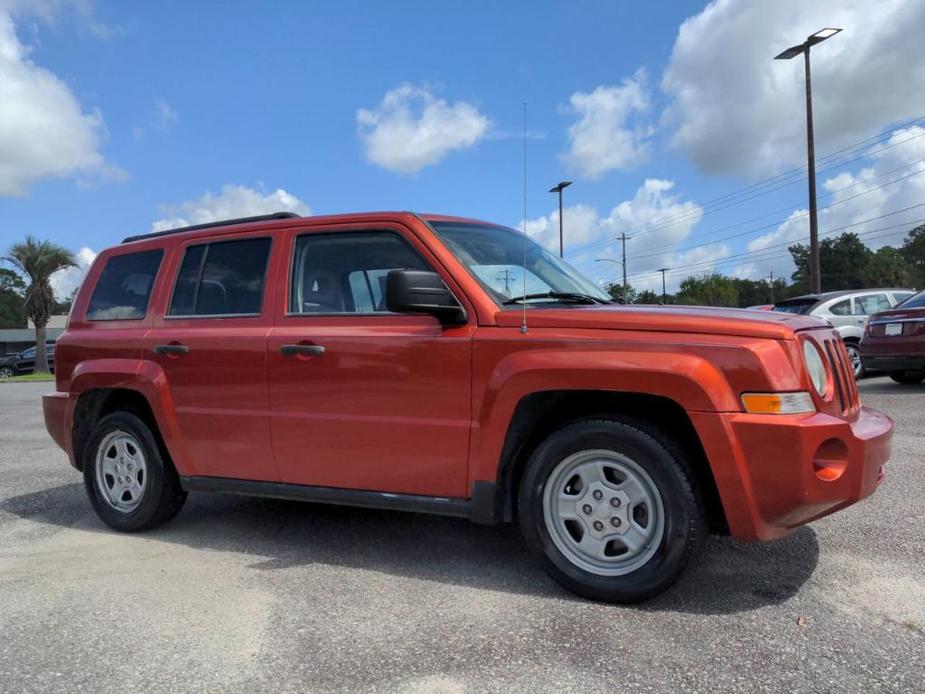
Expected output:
(815, 271)
(558, 189)
(663, 270)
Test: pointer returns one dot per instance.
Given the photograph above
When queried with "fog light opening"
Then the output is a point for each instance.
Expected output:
(830, 460)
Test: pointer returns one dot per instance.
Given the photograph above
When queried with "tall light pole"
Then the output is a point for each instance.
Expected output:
(815, 279)
(558, 189)
(663, 270)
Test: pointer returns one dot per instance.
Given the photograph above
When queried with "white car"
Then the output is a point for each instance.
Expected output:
(848, 311)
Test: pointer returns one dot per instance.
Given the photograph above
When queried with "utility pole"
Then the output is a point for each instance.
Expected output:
(772, 286)
(507, 277)
(623, 239)
(663, 270)
(558, 189)
(815, 273)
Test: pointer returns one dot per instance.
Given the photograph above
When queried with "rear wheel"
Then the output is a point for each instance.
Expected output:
(130, 483)
(611, 509)
(857, 364)
(909, 378)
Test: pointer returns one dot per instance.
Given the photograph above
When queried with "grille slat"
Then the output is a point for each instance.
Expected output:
(843, 374)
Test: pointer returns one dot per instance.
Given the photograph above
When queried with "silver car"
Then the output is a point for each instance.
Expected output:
(848, 311)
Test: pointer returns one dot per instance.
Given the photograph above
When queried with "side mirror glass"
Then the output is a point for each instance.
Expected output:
(419, 291)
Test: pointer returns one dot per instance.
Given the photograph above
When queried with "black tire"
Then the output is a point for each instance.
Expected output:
(685, 526)
(162, 497)
(908, 378)
(7, 372)
(854, 351)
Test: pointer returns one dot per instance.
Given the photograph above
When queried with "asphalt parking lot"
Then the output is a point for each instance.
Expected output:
(242, 594)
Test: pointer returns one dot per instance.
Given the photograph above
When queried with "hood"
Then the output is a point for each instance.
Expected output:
(675, 319)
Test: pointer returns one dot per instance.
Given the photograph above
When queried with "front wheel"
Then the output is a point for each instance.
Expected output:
(612, 510)
(908, 378)
(131, 485)
(7, 372)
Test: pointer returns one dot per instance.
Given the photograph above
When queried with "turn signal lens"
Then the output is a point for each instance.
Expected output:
(778, 403)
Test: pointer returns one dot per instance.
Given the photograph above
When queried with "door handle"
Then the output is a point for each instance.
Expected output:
(171, 349)
(296, 350)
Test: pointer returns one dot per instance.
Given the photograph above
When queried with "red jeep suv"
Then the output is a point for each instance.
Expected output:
(444, 365)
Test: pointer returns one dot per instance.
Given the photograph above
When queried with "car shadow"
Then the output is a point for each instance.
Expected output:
(890, 387)
(731, 577)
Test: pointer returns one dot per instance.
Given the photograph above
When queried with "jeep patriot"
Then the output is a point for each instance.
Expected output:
(444, 365)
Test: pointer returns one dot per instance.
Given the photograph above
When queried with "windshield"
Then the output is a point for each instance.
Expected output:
(495, 257)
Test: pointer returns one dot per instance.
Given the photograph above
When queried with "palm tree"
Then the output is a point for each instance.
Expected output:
(39, 260)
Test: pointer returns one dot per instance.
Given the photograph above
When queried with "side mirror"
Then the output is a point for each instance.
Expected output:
(418, 291)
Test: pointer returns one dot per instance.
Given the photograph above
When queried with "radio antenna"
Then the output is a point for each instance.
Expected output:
(523, 301)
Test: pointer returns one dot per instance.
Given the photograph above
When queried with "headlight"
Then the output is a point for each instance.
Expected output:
(816, 367)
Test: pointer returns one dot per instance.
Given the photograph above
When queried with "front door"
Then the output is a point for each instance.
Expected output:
(212, 348)
(362, 398)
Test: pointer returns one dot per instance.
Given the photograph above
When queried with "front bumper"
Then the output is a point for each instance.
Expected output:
(775, 473)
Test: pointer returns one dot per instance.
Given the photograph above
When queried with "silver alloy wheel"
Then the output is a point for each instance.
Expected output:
(854, 352)
(121, 471)
(7, 372)
(603, 512)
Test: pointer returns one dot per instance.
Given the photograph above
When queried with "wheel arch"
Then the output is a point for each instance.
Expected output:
(539, 414)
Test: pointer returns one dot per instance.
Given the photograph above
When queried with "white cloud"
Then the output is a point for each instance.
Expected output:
(64, 282)
(736, 110)
(657, 222)
(233, 201)
(898, 165)
(609, 133)
(412, 128)
(44, 131)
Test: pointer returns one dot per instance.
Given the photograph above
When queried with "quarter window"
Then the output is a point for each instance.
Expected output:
(221, 279)
(346, 272)
(124, 287)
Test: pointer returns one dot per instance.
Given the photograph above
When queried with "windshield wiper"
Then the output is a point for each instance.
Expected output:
(573, 297)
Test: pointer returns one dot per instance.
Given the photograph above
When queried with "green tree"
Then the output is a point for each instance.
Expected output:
(914, 252)
(844, 262)
(712, 289)
(888, 267)
(12, 303)
(647, 296)
(616, 291)
(38, 261)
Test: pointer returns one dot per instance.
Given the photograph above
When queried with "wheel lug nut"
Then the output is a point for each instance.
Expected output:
(615, 502)
(586, 509)
(598, 526)
(598, 494)
(616, 522)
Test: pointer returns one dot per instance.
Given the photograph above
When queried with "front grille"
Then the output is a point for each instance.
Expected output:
(846, 389)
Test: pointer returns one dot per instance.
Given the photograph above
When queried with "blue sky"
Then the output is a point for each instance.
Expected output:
(141, 114)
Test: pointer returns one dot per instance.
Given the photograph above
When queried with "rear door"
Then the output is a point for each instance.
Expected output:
(362, 398)
(212, 347)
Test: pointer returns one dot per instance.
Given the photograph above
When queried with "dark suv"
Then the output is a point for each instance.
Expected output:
(24, 362)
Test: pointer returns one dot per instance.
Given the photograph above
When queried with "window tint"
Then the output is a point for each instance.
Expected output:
(124, 287)
(917, 301)
(842, 308)
(346, 272)
(221, 279)
(873, 303)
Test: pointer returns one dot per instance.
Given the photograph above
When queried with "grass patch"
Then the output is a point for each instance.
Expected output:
(25, 378)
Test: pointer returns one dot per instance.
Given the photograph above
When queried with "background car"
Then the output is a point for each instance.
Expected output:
(848, 311)
(895, 341)
(24, 362)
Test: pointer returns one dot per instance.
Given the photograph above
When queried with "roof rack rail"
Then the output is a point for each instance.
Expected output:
(209, 225)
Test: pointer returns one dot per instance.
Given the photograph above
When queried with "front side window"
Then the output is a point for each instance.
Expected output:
(495, 256)
(124, 287)
(221, 279)
(872, 303)
(346, 272)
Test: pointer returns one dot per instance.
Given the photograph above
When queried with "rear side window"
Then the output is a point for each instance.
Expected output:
(221, 279)
(124, 286)
(873, 303)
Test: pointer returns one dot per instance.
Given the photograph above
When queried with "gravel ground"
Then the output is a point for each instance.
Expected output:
(244, 594)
